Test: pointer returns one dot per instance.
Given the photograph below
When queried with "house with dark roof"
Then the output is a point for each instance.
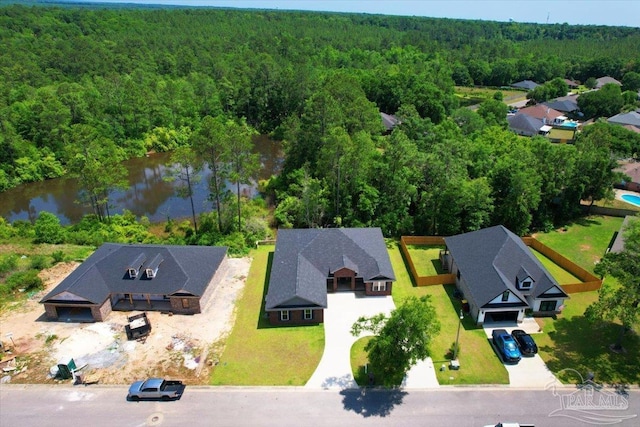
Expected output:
(632, 118)
(525, 84)
(389, 121)
(308, 263)
(175, 279)
(500, 277)
(565, 104)
(525, 125)
(618, 241)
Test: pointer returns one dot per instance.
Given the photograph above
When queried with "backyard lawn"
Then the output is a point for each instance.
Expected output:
(426, 259)
(257, 353)
(561, 275)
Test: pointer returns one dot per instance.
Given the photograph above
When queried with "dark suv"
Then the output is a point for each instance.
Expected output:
(527, 345)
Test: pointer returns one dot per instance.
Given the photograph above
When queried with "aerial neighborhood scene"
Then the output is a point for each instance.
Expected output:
(371, 208)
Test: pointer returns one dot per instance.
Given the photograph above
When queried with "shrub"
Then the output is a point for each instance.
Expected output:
(39, 262)
(8, 263)
(58, 256)
(48, 229)
(27, 280)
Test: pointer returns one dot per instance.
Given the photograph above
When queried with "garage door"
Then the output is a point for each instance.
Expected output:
(75, 314)
(502, 316)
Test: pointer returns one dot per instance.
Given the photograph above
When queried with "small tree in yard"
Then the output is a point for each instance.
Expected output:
(620, 303)
(401, 339)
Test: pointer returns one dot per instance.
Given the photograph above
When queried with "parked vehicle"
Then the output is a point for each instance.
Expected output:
(506, 346)
(156, 388)
(527, 345)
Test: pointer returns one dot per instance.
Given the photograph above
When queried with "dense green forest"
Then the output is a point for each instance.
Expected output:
(83, 88)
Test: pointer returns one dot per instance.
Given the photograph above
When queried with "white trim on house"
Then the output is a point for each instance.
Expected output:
(284, 315)
(510, 300)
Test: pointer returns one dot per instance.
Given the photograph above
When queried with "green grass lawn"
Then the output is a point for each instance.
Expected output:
(584, 241)
(479, 363)
(257, 353)
(426, 259)
(560, 274)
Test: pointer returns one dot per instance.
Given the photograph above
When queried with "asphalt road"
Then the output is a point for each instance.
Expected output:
(43, 405)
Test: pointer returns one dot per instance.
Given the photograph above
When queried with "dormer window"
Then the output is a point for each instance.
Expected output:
(134, 267)
(152, 269)
(524, 280)
(526, 284)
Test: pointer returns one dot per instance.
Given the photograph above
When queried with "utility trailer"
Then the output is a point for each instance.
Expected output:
(138, 328)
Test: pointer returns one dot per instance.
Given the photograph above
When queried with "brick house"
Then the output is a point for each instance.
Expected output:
(308, 263)
(175, 279)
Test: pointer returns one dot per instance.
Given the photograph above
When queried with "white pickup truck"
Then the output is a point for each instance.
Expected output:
(156, 388)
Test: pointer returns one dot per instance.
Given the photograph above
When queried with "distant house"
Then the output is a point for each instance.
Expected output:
(525, 125)
(500, 277)
(389, 121)
(631, 118)
(566, 104)
(175, 279)
(542, 112)
(632, 170)
(308, 263)
(571, 83)
(525, 84)
(618, 242)
(606, 80)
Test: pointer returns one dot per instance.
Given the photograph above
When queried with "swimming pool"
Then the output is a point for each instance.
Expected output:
(631, 199)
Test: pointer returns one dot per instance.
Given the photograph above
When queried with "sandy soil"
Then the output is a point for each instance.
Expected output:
(182, 347)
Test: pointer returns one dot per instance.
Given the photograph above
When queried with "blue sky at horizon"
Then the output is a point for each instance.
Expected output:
(574, 12)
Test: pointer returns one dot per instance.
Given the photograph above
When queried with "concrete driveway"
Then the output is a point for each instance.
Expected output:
(344, 308)
(334, 369)
(530, 371)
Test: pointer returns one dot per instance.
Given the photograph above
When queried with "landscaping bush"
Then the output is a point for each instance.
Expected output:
(48, 229)
(58, 256)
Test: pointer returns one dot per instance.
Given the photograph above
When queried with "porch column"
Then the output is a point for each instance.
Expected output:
(353, 283)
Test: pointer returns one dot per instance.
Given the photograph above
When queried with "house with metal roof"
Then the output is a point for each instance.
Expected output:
(500, 277)
(175, 279)
(309, 263)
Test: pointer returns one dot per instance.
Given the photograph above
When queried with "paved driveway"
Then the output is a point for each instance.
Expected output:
(530, 371)
(334, 369)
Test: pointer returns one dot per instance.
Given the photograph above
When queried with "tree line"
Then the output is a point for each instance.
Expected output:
(85, 87)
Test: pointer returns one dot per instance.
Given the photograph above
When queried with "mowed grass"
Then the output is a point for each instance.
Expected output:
(426, 259)
(257, 353)
(584, 241)
(570, 344)
(561, 275)
(479, 363)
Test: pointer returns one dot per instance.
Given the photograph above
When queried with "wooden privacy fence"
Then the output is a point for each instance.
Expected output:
(439, 279)
(589, 282)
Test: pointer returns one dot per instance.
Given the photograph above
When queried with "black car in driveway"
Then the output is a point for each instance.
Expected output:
(527, 345)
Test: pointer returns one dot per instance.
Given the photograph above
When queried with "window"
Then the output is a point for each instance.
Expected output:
(379, 286)
(458, 274)
(308, 314)
(526, 284)
(505, 296)
(284, 315)
(185, 302)
(548, 305)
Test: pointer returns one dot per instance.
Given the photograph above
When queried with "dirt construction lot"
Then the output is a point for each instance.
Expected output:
(179, 346)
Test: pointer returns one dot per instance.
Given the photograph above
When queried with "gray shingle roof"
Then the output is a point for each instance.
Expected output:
(181, 270)
(304, 258)
(524, 124)
(564, 105)
(525, 84)
(491, 259)
(631, 118)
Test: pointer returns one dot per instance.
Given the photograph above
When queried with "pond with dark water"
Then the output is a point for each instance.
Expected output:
(148, 193)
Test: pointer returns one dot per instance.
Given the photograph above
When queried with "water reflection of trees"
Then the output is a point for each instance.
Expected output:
(148, 194)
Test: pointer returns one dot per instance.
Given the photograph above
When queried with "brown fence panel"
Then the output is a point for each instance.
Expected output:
(574, 288)
(440, 279)
(563, 262)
